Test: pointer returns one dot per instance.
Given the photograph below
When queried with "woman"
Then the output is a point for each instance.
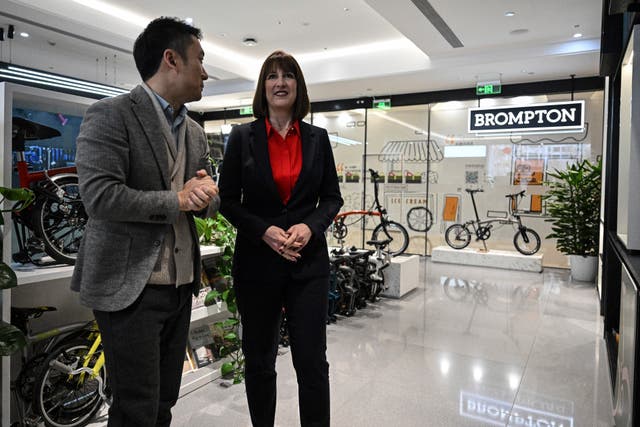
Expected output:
(279, 188)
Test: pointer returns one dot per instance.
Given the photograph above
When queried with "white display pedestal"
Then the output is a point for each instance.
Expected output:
(402, 275)
(509, 260)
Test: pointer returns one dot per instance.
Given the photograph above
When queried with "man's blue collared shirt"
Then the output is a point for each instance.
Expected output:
(168, 113)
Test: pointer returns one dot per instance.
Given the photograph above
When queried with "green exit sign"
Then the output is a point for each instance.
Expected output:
(246, 111)
(382, 104)
(488, 89)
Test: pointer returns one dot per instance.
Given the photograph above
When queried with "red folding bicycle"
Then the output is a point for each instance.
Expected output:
(386, 230)
(54, 224)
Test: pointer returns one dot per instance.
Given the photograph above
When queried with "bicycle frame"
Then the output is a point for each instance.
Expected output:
(386, 229)
(95, 371)
(379, 210)
(526, 240)
(512, 218)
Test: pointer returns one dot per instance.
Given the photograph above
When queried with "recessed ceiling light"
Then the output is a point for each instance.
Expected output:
(346, 9)
(531, 73)
(23, 34)
(577, 35)
(509, 14)
(222, 34)
(519, 31)
(188, 21)
(249, 41)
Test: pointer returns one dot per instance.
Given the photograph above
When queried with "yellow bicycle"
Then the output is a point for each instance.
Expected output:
(71, 387)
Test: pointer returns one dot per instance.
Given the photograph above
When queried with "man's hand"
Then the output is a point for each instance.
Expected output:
(198, 192)
(275, 237)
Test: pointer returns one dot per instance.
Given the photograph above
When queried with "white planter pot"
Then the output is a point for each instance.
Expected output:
(583, 268)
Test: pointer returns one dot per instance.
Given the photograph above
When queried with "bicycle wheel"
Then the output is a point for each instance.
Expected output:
(339, 229)
(526, 241)
(455, 288)
(394, 231)
(66, 400)
(419, 219)
(61, 220)
(457, 236)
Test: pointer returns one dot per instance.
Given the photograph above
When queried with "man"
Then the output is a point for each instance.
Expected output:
(144, 171)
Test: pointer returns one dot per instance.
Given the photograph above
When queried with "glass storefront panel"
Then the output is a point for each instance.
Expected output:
(427, 160)
(218, 133)
(347, 135)
(507, 164)
(399, 150)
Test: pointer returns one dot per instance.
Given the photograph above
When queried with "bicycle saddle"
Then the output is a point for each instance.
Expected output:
(19, 315)
(478, 190)
(27, 130)
(30, 312)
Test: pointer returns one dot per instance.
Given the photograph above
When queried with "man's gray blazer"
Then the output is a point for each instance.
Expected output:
(125, 187)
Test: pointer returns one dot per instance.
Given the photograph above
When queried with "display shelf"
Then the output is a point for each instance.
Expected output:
(16, 96)
(192, 380)
(403, 276)
(30, 274)
(509, 260)
(210, 250)
(206, 312)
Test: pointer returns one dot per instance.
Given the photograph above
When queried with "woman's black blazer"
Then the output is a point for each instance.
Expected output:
(251, 202)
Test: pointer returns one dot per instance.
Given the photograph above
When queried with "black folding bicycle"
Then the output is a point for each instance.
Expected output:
(526, 240)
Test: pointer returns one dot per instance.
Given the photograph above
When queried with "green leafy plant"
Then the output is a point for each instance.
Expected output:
(573, 203)
(232, 343)
(11, 338)
(219, 231)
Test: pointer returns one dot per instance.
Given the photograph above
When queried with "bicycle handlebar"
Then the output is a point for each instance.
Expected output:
(521, 194)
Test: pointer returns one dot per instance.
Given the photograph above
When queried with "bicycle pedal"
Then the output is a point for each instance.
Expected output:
(32, 420)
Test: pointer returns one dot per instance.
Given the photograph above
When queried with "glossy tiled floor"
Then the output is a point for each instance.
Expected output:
(471, 347)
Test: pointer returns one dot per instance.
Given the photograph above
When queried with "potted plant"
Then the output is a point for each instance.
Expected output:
(573, 203)
(11, 338)
(219, 231)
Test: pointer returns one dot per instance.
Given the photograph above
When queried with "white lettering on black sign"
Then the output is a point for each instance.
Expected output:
(498, 412)
(552, 116)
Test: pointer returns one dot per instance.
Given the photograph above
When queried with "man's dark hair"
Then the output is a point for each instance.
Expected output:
(288, 64)
(161, 34)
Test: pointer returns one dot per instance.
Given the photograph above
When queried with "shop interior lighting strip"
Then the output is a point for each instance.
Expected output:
(11, 72)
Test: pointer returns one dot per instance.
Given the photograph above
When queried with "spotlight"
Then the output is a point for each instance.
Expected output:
(11, 31)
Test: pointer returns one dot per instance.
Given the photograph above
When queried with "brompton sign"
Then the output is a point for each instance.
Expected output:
(552, 116)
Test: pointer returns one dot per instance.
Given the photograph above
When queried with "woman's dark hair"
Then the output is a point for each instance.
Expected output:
(287, 63)
(161, 34)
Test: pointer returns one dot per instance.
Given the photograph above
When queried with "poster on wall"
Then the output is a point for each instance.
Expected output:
(528, 172)
(340, 172)
(352, 174)
(413, 177)
(395, 177)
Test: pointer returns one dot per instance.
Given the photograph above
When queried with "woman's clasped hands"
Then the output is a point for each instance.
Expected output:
(288, 243)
